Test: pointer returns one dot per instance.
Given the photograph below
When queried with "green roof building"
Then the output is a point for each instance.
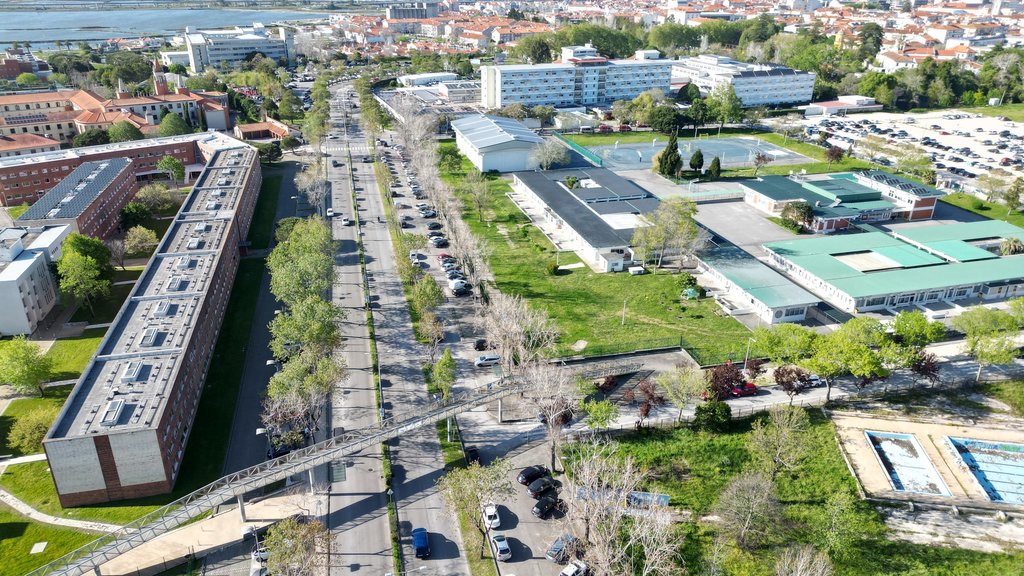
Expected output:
(874, 270)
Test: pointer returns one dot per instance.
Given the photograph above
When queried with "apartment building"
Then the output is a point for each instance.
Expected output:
(233, 45)
(22, 144)
(123, 430)
(582, 77)
(25, 179)
(89, 199)
(27, 288)
(754, 84)
(17, 61)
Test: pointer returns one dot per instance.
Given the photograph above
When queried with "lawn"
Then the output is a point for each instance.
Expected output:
(129, 273)
(105, 309)
(588, 306)
(18, 535)
(693, 468)
(1014, 112)
(1010, 393)
(52, 398)
(262, 228)
(16, 211)
(987, 209)
(70, 355)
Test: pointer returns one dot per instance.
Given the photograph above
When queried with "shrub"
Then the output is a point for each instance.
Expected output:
(27, 433)
(552, 268)
(607, 384)
(977, 204)
(712, 416)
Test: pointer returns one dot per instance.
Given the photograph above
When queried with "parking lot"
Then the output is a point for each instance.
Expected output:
(962, 146)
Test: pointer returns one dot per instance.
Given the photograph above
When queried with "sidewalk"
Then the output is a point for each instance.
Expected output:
(26, 510)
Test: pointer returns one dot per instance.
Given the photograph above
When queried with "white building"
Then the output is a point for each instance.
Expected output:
(582, 77)
(427, 78)
(754, 84)
(494, 143)
(27, 287)
(233, 45)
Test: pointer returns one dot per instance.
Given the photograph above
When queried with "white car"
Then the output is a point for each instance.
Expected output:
(345, 221)
(491, 518)
(423, 206)
(575, 568)
(457, 284)
(330, 212)
(486, 360)
(501, 548)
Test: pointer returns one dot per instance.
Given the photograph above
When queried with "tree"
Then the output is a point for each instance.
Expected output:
(140, 240)
(600, 413)
(712, 416)
(284, 228)
(666, 119)
(156, 197)
(789, 126)
(290, 107)
(993, 184)
(914, 330)
(698, 113)
(310, 324)
(442, 374)
(131, 67)
(778, 444)
(760, 161)
(839, 528)
(549, 153)
(535, 48)
(671, 229)
(81, 277)
(792, 379)
(543, 113)
(683, 385)
(553, 396)
(134, 214)
(124, 131)
(173, 125)
(27, 433)
(467, 490)
(24, 366)
(269, 152)
(92, 247)
(803, 560)
(725, 106)
(834, 154)
(870, 40)
(479, 194)
(173, 167)
(1012, 195)
(722, 378)
(697, 160)
(520, 332)
(668, 162)
(91, 137)
(426, 295)
(799, 212)
(178, 69)
(290, 143)
(27, 79)
(297, 548)
(748, 509)
(117, 250)
(988, 336)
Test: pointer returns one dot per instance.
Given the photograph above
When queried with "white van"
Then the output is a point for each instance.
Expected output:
(486, 360)
(637, 270)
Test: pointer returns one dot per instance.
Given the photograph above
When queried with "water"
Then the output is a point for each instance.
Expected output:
(42, 28)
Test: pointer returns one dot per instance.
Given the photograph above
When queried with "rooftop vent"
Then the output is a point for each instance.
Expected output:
(193, 243)
(112, 413)
(132, 372)
(149, 337)
(163, 309)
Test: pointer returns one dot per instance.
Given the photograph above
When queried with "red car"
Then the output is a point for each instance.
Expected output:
(625, 128)
(604, 129)
(745, 389)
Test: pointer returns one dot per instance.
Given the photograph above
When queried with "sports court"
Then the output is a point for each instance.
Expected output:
(733, 152)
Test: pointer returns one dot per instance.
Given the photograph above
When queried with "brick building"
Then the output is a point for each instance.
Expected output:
(89, 199)
(24, 144)
(123, 430)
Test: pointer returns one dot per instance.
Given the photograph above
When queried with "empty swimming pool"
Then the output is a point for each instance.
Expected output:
(906, 463)
(998, 467)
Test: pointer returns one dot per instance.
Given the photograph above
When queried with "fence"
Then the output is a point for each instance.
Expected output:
(702, 356)
(590, 156)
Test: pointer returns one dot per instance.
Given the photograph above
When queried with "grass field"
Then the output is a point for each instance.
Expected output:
(53, 398)
(18, 535)
(104, 309)
(588, 306)
(1014, 112)
(262, 228)
(987, 209)
(693, 468)
(70, 355)
(16, 211)
(129, 273)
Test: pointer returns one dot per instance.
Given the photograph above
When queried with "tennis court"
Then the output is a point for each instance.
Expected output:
(733, 152)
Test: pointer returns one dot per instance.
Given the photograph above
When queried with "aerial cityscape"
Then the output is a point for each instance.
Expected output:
(520, 288)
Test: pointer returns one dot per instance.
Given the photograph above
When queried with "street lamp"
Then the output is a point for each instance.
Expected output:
(420, 569)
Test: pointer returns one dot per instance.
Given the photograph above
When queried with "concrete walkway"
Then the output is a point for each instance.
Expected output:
(23, 459)
(26, 510)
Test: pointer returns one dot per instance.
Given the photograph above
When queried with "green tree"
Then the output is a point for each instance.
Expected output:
(284, 228)
(1011, 246)
(24, 366)
(1012, 195)
(27, 432)
(467, 490)
(290, 107)
(297, 548)
(174, 125)
(178, 69)
(27, 79)
(715, 169)
(81, 278)
(600, 413)
(777, 442)
(290, 143)
(697, 160)
(798, 212)
(269, 152)
(304, 264)
(683, 385)
(134, 214)
(671, 229)
(913, 329)
(870, 39)
(124, 131)
(725, 106)
(784, 343)
(543, 113)
(140, 240)
(665, 119)
(174, 168)
(311, 324)
(426, 294)
(988, 336)
(669, 162)
(442, 374)
(129, 66)
(698, 113)
(712, 416)
(91, 137)
(157, 197)
(92, 247)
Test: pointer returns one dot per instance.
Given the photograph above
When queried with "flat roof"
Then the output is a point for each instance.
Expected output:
(72, 195)
(826, 197)
(597, 209)
(144, 348)
(755, 278)
(211, 138)
(902, 184)
(484, 132)
(917, 259)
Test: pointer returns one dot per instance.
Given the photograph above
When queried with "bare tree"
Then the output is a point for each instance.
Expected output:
(803, 561)
(654, 537)
(553, 394)
(312, 183)
(747, 508)
(549, 153)
(476, 186)
(297, 548)
(520, 332)
(760, 161)
(778, 443)
(683, 385)
(117, 250)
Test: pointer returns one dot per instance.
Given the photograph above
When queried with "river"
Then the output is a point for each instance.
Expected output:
(42, 28)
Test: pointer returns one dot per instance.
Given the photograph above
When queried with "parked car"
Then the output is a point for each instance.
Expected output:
(481, 344)
(435, 234)
(439, 242)
(330, 212)
(422, 206)
(531, 473)
(545, 505)
(346, 221)
(466, 291)
(457, 283)
(745, 389)
(603, 129)
(434, 226)
(575, 568)
(502, 551)
(559, 550)
(420, 543)
(625, 128)
(491, 518)
(486, 359)
(540, 486)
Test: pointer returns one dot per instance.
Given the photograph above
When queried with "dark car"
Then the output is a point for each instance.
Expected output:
(420, 543)
(529, 474)
(541, 486)
(462, 291)
(481, 344)
(434, 226)
(560, 548)
(545, 506)
(472, 454)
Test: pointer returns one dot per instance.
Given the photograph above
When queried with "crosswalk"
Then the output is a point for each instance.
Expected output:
(341, 146)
